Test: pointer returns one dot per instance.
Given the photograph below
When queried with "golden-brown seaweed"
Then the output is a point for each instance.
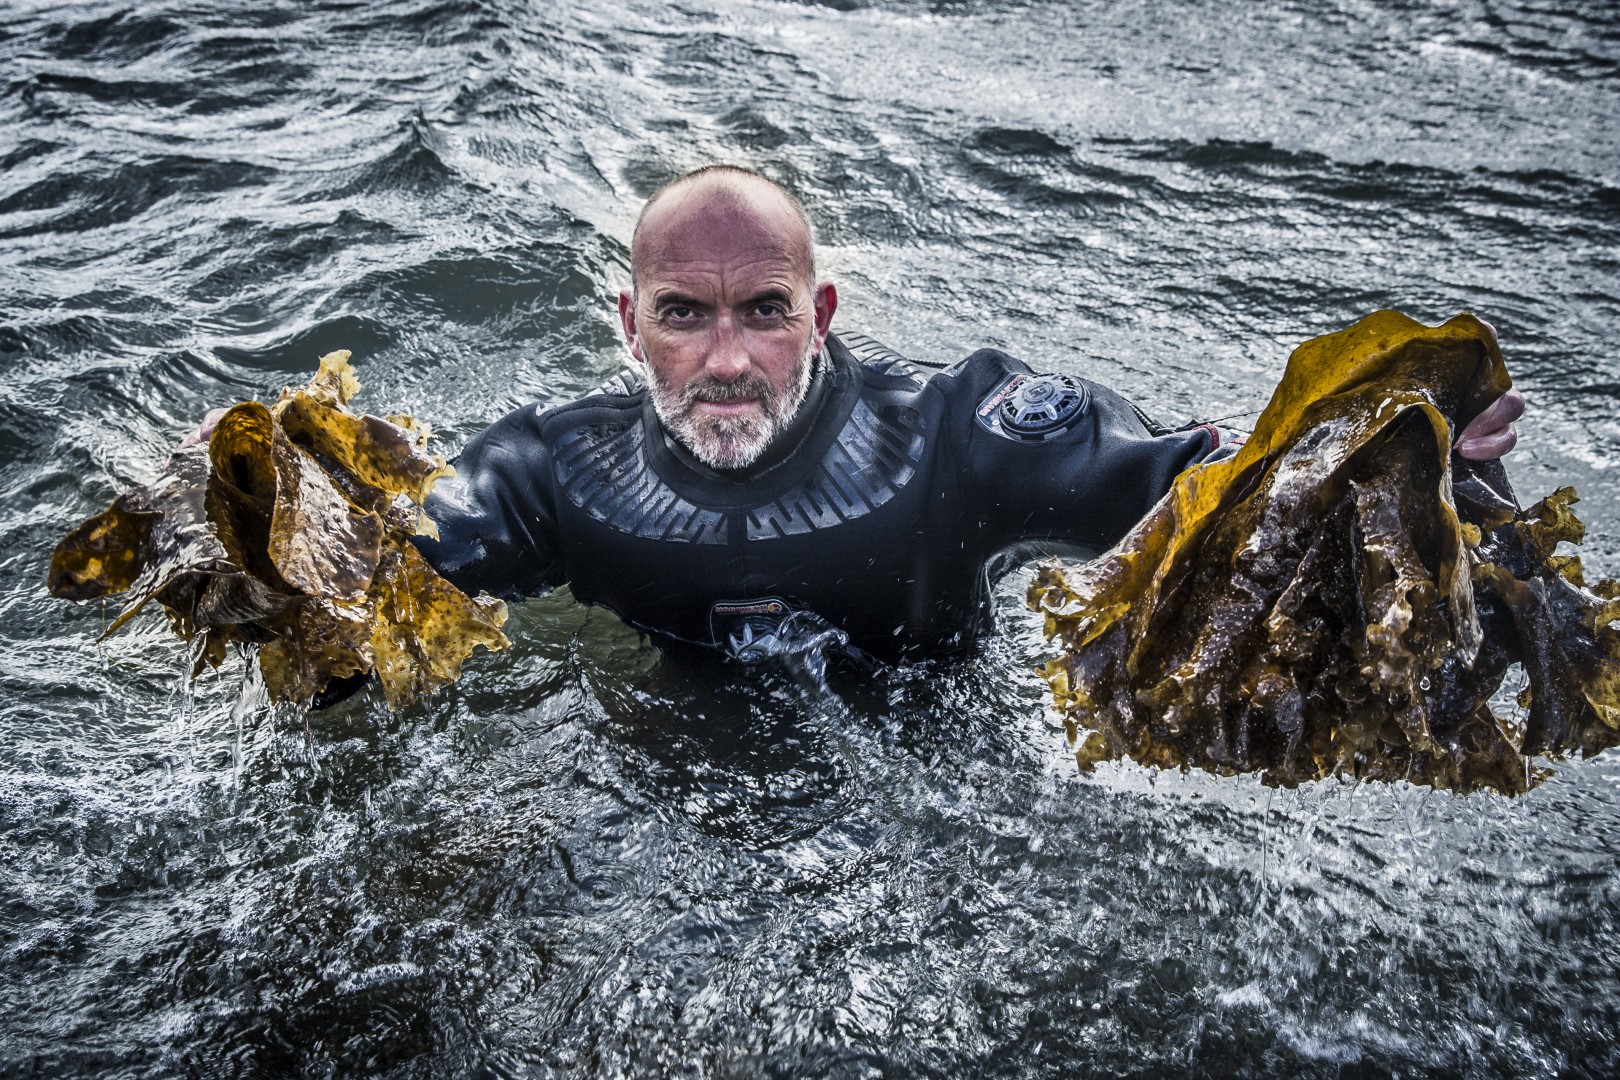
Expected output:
(283, 533)
(1343, 597)
(425, 626)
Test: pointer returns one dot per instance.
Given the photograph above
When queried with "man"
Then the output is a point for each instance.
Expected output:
(767, 487)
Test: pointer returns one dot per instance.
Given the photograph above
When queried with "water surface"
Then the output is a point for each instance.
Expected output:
(584, 860)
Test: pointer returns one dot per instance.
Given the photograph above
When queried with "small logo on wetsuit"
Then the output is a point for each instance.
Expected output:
(988, 407)
(728, 609)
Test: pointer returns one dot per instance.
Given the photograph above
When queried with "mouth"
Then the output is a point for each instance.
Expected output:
(728, 407)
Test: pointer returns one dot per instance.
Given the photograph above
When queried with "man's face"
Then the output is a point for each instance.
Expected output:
(725, 317)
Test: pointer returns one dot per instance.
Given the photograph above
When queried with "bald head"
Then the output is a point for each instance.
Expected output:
(726, 198)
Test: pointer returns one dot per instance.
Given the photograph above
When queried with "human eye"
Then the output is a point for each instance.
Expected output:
(677, 314)
(770, 312)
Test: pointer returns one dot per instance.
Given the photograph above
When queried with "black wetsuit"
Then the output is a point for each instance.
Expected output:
(882, 514)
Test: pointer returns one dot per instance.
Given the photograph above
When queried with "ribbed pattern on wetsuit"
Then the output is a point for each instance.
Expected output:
(623, 384)
(874, 457)
(603, 471)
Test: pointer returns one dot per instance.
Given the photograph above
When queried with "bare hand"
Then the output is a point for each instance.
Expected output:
(204, 430)
(1491, 434)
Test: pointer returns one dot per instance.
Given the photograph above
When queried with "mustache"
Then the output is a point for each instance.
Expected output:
(708, 388)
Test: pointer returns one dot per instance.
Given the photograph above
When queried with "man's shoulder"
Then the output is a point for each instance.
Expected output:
(876, 361)
(538, 425)
(880, 363)
(626, 383)
(993, 385)
(619, 399)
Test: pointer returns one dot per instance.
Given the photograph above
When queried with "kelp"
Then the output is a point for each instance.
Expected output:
(289, 532)
(1345, 596)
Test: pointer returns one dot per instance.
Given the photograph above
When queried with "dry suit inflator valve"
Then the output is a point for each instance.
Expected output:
(1043, 406)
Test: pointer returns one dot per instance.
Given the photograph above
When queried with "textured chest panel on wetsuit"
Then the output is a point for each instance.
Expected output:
(603, 471)
(875, 455)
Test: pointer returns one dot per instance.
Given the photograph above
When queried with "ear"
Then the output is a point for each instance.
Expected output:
(627, 322)
(826, 304)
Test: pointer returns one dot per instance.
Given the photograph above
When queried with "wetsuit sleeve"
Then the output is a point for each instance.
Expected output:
(497, 527)
(1082, 487)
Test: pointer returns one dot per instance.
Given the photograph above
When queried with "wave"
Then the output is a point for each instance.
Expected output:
(412, 164)
(98, 191)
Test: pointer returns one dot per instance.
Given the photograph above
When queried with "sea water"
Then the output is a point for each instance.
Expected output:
(588, 860)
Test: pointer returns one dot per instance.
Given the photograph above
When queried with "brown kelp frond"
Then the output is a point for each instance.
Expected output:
(287, 532)
(1343, 597)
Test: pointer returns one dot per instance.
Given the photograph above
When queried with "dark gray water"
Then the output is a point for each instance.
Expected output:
(584, 861)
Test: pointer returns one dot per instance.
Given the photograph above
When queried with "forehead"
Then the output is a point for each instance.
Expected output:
(726, 231)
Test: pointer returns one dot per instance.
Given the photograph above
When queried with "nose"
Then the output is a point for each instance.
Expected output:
(728, 358)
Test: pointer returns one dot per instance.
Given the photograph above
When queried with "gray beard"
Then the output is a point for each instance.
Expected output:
(723, 442)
